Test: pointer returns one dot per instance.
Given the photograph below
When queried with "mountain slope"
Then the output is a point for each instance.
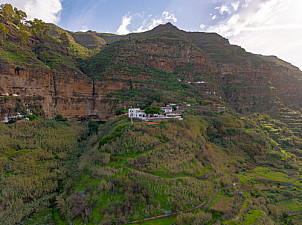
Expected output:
(235, 158)
(127, 70)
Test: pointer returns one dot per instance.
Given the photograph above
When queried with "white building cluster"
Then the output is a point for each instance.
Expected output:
(166, 113)
(17, 116)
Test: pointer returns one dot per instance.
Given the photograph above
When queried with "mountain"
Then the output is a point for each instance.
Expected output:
(84, 78)
(235, 158)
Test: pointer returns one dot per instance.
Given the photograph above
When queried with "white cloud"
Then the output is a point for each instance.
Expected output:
(235, 5)
(141, 29)
(214, 17)
(47, 10)
(259, 12)
(202, 26)
(153, 21)
(166, 16)
(270, 27)
(224, 9)
(84, 28)
(126, 21)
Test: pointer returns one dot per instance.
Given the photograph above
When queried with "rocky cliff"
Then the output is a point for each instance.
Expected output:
(161, 65)
(72, 96)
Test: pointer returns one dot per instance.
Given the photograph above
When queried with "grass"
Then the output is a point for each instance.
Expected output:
(18, 56)
(216, 198)
(57, 218)
(221, 203)
(290, 205)
(230, 222)
(271, 175)
(118, 131)
(254, 217)
(249, 178)
(246, 178)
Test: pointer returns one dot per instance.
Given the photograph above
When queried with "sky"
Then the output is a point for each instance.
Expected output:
(268, 27)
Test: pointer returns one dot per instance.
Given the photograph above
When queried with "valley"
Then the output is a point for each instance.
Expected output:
(232, 156)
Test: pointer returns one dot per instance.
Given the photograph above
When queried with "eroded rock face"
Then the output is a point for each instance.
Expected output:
(72, 96)
(77, 96)
(250, 88)
(244, 86)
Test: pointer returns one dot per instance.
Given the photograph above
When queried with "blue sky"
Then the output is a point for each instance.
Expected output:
(268, 27)
(107, 15)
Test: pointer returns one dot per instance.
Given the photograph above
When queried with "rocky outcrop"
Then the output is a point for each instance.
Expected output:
(261, 89)
(248, 83)
(73, 96)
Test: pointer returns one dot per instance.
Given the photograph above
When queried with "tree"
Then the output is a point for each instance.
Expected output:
(274, 210)
(196, 218)
(44, 56)
(119, 112)
(64, 38)
(23, 37)
(39, 28)
(152, 110)
(3, 33)
(7, 11)
(93, 127)
(19, 16)
(12, 14)
(60, 118)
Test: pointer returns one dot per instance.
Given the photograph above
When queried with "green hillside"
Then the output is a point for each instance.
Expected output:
(235, 158)
(209, 167)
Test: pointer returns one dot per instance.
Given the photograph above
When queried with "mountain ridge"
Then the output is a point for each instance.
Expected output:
(233, 158)
(89, 55)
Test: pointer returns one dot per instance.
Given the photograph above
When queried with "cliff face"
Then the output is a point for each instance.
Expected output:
(77, 96)
(176, 65)
(261, 89)
(72, 96)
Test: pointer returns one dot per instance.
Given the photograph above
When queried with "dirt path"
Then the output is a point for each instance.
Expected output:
(215, 191)
(294, 213)
(154, 218)
(201, 206)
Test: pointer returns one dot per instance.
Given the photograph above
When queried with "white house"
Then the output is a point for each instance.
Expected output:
(136, 113)
(174, 116)
(167, 109)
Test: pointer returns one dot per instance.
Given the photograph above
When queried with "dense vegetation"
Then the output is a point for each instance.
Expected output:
(217, 162)
(227, 166)
(27, 43)
(35, 158)
(213, 167)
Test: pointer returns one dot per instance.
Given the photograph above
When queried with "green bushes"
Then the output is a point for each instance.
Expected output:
(4, 99)
(118, 131)
(152, 110)
(35, 156)
(130, 143)
(196, 218)
(60, 118)
(93, 127)
(140, 171)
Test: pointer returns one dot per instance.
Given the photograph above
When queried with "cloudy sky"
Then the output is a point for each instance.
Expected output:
(268, 27)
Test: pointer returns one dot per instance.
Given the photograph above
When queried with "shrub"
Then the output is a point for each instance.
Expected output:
(118, 131)
(60, 118)
(193, 218)
(274, 210)
(93, 127)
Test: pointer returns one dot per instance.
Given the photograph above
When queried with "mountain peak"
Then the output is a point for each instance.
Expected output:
(166, 27)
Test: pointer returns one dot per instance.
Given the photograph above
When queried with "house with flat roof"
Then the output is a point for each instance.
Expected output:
(166, 113)
(167, 109)
(137, 113)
